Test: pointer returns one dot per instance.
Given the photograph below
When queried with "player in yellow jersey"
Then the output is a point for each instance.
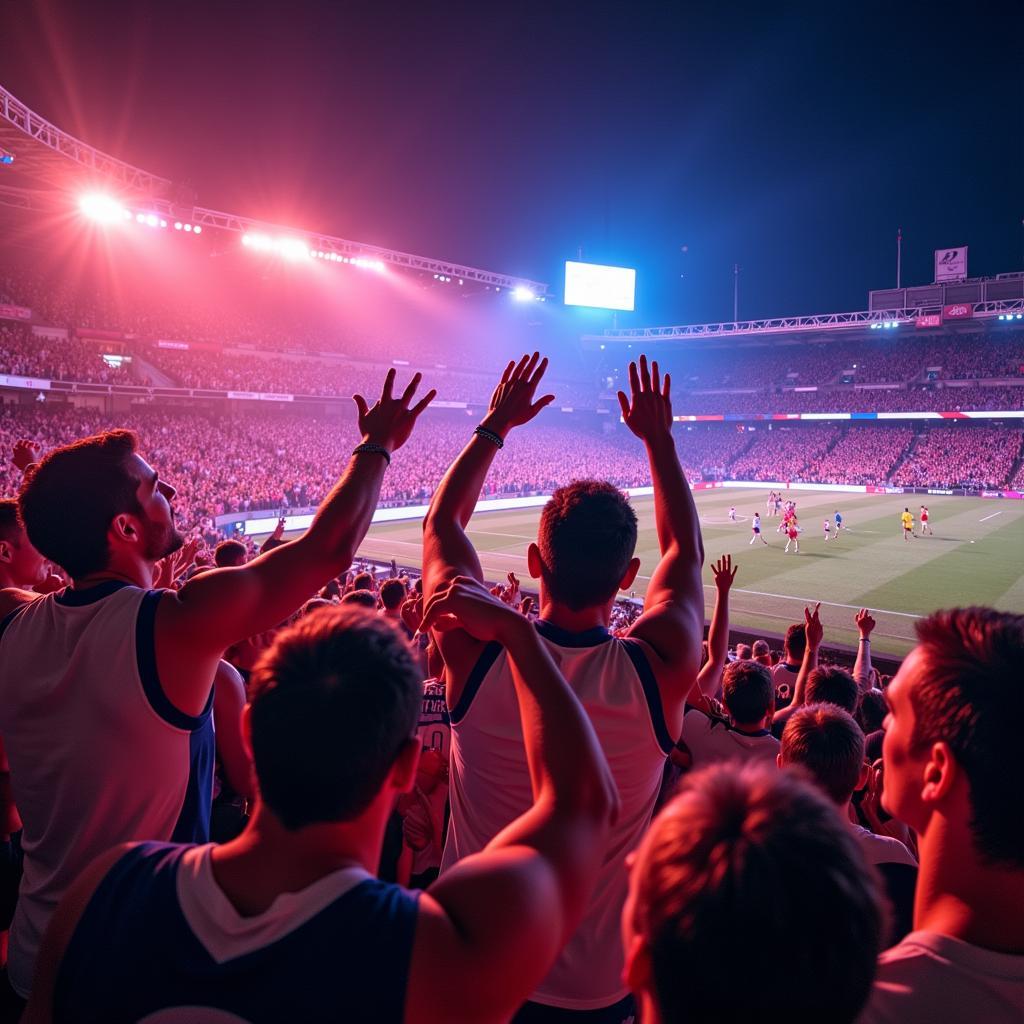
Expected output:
(908, 524)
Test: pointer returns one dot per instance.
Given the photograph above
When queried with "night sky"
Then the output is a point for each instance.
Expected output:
(792, 139)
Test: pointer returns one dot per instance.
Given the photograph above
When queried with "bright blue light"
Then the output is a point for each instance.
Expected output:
(7, 158)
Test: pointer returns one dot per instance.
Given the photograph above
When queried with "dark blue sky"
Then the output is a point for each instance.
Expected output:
(792, 139)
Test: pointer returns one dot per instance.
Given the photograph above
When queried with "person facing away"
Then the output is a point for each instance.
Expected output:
(288, 922)
(105, 688)
(952, 771)
(826, 744)
(744, 865)
(749, 698)
(633, 688)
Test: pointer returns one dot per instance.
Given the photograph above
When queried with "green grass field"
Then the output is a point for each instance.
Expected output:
(975, 557)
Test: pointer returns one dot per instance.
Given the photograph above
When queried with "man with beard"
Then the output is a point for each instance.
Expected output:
(105, 688)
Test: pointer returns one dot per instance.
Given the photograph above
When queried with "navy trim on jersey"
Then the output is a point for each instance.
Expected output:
(638, 656)
(789, 668)
(488, 656)
(145, 652)
(564, 638)
(193, 824)
(72, 598)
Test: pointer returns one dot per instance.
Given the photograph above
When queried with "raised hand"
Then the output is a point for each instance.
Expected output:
(512, 403)
(865, 623)
(466, 603)
(25, 454)
(724, 572)
(812, 624)
(648, 410)
(390, 420)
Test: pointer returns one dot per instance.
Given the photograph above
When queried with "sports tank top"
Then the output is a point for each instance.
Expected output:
(98, 753)
(490, 785)
(160, 942)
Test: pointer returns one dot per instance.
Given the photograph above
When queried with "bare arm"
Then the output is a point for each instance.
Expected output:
(814, 632)
(709, 681)
(447, 550)
(673, 620)
(228, 702)
(519, 900)
(216, 609)
(862, 666)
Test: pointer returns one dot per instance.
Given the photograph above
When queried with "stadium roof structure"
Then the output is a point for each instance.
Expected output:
(45, 154)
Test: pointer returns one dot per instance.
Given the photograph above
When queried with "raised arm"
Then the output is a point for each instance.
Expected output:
(518, 901)
(709, 681)
(673, 620)
(814, 632)
(447, 550)
(216, 609)
(862, 666)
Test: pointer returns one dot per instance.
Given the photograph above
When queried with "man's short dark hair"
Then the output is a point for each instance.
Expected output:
(745, 861)
(796, 640)
(229, 553)
(747, 691)
(871, 711)
(360, 599)
(828, 745)
(10, 524)
(392, 594)
(587, 537)
(333, 701)
(69, 502)
(971, 695)
(829, 684)
(363, 581)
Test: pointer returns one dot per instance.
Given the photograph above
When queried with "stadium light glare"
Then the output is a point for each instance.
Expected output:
(177, 225)
(522, 294)
(197, 230)
(101, 208)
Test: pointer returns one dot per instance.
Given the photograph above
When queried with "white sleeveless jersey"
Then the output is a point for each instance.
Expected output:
(98, 753)
(490, 785)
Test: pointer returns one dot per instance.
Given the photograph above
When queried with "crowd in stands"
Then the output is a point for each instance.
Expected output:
(248, 461)
(281, 786)
(865, 455)
(980, 458)
(24, 355)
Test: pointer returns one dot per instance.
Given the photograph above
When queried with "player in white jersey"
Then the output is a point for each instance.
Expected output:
(755, 530)
(732, 513)
(828, 529)
(632, 687)
(106, 687)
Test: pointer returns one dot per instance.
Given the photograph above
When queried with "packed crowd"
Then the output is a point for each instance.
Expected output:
(246, 462)
(433, 799)
(978, 458)
(24, 355)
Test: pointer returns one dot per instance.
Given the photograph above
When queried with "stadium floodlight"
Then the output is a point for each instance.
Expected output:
(198, 229)
(101, 208)
(522, 294)
(5, 157)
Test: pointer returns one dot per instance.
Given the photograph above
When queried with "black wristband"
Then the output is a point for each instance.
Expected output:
(490, 435)
(376, 449)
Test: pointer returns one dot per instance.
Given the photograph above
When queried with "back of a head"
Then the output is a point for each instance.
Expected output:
(796, 641)
(333, 701)
(360, 598)
(10, 524)
(760, 650)
(362, 581)
(747, 691)
(743, 863)
(743, 651)
(392, 594)
(587, 537)
(229, 553)
(829, 684)
(827, 745)
(69, 502)
(970, 695)
(871, 711)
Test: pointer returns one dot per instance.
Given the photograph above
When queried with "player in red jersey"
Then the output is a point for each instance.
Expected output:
(925, 523)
